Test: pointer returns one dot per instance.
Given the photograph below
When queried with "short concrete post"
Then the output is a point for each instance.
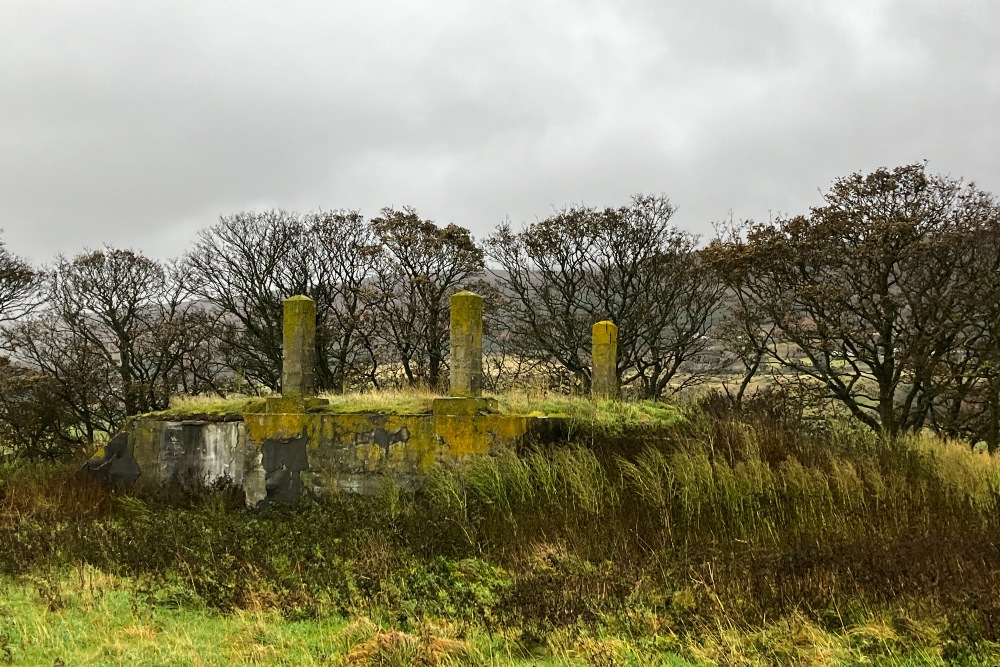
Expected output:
(604, 372)
(467, 345)
(298, 368)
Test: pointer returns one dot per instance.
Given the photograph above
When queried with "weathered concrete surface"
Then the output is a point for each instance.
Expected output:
(113, 462)
(604, 372)
(466, 364)
(190, 453)
(284, 462)
(276, 457)
(298, 368)
(356, 452)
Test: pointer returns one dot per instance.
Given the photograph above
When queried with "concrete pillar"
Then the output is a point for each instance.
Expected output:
(604, 375)
(466, 345)
(298, 368)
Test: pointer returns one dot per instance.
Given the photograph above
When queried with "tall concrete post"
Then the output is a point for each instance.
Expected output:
(604, 374)
(466, 345)
(298, 368)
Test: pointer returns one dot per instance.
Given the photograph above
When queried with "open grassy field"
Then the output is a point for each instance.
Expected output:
(88, 618)
(657, 535)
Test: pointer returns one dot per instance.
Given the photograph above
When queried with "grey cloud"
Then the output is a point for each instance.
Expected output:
(136, 124)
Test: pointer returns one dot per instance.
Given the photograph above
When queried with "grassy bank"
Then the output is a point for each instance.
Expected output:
(88, 618)
(591, 416)
(678, 537)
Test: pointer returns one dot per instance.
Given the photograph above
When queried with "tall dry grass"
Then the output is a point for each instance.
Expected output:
(684, 523)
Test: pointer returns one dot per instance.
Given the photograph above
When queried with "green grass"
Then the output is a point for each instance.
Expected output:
(659, 534)
(606, 417)
(87, 617)
(400, 402)
(396, 402)
(210, 406)
(101, 620)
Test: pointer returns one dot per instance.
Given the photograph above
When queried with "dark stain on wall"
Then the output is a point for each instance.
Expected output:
(283, 461)
(382, 437)
(117, 465)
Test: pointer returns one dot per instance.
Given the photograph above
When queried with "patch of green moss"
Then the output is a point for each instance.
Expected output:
(211, 408)
(606, 416)
(387, 403)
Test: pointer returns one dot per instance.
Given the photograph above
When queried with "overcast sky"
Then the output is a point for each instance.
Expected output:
(136, 123)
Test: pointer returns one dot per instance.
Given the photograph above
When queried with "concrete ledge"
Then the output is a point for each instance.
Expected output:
(294, 404)
(467, 407)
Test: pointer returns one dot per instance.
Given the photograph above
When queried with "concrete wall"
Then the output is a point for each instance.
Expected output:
(189, 452)
(278, 456)
(294, 447)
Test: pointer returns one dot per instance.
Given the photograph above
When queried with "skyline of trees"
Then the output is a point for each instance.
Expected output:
(884, 300)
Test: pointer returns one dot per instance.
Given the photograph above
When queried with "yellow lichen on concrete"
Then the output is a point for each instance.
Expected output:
(604, 372)
(506, 430)
(392, 443)
(352, 451)
(370, 455)
(376, 442)
(463, 436)
(466, 344)
(418, 452)
(284, 404)
(298, 374)
(464, 406)
(280, 426)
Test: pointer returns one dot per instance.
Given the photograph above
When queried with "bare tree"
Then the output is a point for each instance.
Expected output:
(629, 265)
(743, 333)
(132, 311)
(544, 272)
(967, 373)
(862, 292)
(507, 362)
(427, 265)
(345, 255)
(81, 380)
(116, 337)
(34, 421)
(673, 314)
(248, 263)
(19, 286)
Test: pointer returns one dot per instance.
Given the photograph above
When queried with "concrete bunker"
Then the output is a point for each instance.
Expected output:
(295, 444)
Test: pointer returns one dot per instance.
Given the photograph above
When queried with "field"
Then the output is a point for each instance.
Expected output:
(657, 535)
